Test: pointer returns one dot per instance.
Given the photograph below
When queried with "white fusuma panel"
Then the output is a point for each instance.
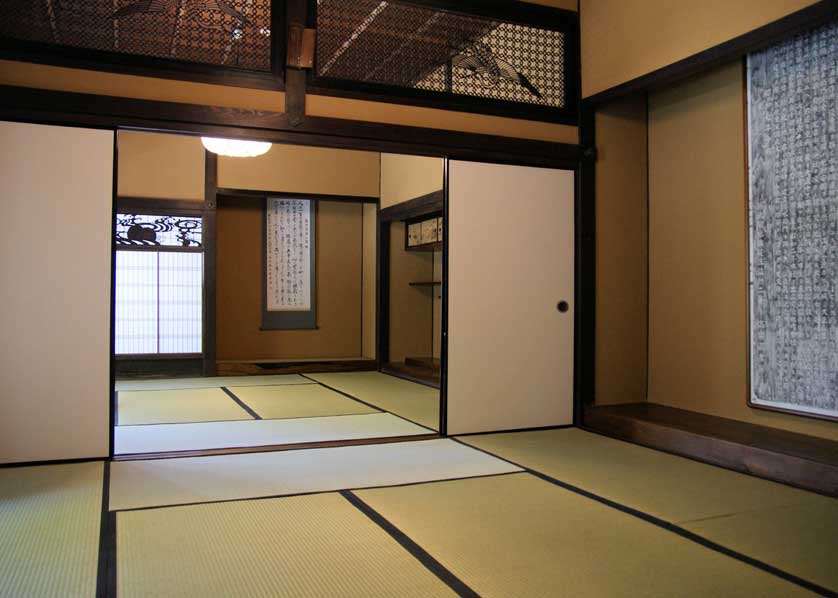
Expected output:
(55, 267)
(510, 293)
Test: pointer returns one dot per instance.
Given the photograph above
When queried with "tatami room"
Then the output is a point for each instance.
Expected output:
(287, 357)
(418, 298)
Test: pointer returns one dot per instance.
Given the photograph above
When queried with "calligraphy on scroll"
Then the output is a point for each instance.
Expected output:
(289, 246)
(793, 211)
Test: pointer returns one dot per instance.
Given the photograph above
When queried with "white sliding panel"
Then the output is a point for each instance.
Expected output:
(510, 263)
(55, 269)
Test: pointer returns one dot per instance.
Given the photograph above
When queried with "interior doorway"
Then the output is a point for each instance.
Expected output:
(261, 272)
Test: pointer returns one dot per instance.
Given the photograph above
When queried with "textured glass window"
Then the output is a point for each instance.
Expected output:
(399, 44)
(144, 230)
(233, 33)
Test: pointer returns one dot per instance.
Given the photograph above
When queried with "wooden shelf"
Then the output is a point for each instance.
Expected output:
(424, 284)
(428, 247)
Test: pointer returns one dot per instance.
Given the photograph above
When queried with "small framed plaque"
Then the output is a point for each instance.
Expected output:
(414, 234)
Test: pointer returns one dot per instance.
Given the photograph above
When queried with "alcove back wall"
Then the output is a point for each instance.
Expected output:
(339, 251)
(695, 253)
(698, 260)
(239, 274)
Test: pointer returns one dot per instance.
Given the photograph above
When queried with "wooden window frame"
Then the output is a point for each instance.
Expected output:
(521, 13)
(150, 66)
(157, 363)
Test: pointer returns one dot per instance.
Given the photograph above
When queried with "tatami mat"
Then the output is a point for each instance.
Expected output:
(802, 540)
(306, 546)
(663, 485)
(136, 484)
(49, 530)
(177, 406)
(413, 401)
(517, 535)
(209, 382)
(791, 529)
(263, 432)
(298, 400)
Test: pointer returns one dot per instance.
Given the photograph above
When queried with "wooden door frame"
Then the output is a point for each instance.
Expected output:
(117, 113)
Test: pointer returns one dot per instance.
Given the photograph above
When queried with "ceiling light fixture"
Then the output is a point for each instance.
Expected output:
(235, 148)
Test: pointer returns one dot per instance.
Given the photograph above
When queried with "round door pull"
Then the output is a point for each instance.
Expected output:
(563, 306)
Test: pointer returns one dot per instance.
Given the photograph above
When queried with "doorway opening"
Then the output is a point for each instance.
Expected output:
(246, 300)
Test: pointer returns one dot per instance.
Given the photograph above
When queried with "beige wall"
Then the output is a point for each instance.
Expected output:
(153, 165)
(370, 241)
(408, 177)
(411, 308)
(432, 118)
(42, 76)
(624, 39)
(698, 333)
(239, 286)
(293, 168)
(55, 264)
(621, 257)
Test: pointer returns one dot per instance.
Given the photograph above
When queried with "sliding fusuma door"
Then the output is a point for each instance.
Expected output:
(56, 190)
(510, 297)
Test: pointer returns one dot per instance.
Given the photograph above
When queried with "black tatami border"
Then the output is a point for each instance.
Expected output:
(106, 581)
(107, 558)
(316, 492)
(251, 412)
(241, 403)
(419, 553)
(349, 396)
(671, 527)
(256, 416)
(106, 567)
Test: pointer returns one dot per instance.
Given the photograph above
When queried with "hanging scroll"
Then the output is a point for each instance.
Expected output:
(289, 264)
(793, 210)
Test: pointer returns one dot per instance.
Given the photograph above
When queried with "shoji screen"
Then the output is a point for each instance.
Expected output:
(510, 265)
(55, 263)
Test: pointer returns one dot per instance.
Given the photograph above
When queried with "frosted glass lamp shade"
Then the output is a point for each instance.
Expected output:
(235, 148)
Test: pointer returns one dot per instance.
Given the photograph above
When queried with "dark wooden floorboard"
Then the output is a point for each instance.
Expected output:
(262, 368)
(804, 461)
(419, 374)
